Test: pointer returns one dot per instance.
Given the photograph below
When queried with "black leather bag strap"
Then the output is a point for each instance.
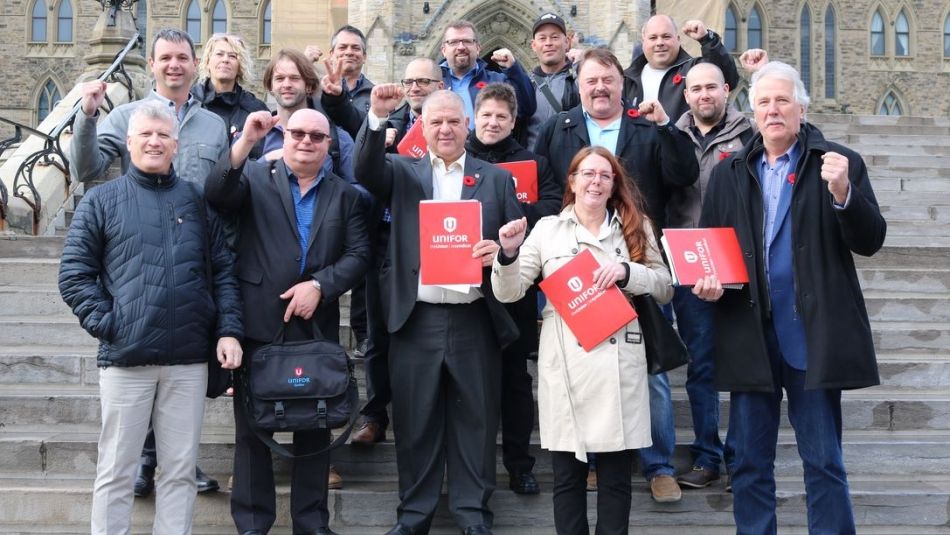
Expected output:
(542, 84)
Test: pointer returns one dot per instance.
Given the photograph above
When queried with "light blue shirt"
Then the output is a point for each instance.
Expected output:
(607, 136)
(304, 205)
(773, 179)
(459, 86)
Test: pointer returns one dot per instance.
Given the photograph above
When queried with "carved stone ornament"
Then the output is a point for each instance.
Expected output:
(406, 49)
(499, 24)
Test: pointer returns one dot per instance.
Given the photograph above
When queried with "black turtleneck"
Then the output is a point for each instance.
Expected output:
(494, 153)
(153, 180)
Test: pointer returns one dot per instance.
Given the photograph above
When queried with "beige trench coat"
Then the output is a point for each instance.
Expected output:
(595, 401)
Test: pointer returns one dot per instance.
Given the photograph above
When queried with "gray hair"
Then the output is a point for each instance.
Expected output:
(348, 29)
(782, 71)
(172, 35)
(152, 109)
(444, 94)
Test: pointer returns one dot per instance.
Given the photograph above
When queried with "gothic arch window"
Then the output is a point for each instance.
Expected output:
(901, 35)
(831, 52)
(38, 22)
(141, 26)
(731, 34)
(742, 102)
(64, 22)
(877, 34)
(219, 17)
(804, 49)
(754, 28)
(946, 37)
(266, 26)
(46, 100)
(890, 105)
(193, 21)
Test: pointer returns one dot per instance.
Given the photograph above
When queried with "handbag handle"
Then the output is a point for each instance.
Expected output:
(317, 333)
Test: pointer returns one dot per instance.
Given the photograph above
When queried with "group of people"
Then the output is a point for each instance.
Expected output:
(231, 221)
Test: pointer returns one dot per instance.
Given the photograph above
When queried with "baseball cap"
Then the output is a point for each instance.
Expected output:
(549, 18)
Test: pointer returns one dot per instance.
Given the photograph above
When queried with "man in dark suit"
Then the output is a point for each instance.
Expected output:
(302, 245)
(445, 345)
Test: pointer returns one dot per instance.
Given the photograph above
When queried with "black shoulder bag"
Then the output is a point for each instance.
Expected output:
(664, 348)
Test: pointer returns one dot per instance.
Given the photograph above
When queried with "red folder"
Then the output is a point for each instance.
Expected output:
(413, 144)
(525, 174)
(591, 314)
(696, 252)
(447, 232)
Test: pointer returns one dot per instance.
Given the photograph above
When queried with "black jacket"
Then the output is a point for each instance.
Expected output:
(508, 150)
(658, 158)
(671, 88)
(135, 271)
(827, 292)
(269, 249)
(233, 107)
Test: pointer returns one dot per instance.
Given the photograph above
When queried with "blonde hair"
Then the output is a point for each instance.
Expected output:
(245, 62)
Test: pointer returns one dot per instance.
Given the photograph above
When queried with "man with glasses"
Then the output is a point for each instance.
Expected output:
(659, 158)
(465, 73)
(302, 245)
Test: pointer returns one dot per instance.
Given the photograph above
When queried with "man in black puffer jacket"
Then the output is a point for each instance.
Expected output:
(148, 273)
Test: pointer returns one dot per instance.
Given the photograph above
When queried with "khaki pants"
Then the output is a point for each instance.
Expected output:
(173, 397)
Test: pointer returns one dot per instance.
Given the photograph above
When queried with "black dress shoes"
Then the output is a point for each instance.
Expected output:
(524, 483)
(252, 532)
(399, 529)
(204, 482)
(477, 530)
(144, 481)
(324, 531)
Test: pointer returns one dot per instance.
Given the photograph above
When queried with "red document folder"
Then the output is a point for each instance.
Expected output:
(413, 144)
(525, 174)
(696, 252)
(447, 232)
(591, 314)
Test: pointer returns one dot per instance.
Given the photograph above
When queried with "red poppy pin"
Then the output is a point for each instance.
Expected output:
(791, 178)
(633, 113)
(677, 78)
(724, 155)
(480, 85)
(468, 180)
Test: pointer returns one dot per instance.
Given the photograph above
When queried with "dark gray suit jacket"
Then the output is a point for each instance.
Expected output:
(268, 250)
(401, 183)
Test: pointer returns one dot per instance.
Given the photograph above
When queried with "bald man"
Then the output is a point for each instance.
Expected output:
(302, 245)
(658, 72)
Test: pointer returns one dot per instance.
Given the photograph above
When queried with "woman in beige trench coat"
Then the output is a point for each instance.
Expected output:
(594, 401)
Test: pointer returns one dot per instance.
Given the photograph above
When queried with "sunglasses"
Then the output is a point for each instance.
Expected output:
(316, 137)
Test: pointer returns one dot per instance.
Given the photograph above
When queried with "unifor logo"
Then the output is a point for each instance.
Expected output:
(298, 371)
(575, 284)
(515, 179)
(450, 224)
(690, 257)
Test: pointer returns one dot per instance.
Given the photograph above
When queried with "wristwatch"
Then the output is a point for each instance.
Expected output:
(316, 284)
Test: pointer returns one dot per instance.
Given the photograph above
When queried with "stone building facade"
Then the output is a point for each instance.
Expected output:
(862, 56)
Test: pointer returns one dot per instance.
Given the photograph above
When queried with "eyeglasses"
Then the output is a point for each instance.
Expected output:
(457, 42)
(590, 174)
(315, 137)
(421, 82)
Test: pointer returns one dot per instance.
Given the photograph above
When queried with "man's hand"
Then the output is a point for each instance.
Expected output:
(304, 298)
(605, 276)
(834, 171)
(93, 95)
(384, 99)
(708, 288)
(694, 29)
(390, 136)
(653, 111)
(753, 59)
(574, 54)
(511, 236)
(274, 155)
(503, 57)
(313, 53)
(485, 250)
(332, 82)
(229, 352)
(257, 125)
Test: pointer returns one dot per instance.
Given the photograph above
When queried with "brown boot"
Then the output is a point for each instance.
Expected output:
(334, 481)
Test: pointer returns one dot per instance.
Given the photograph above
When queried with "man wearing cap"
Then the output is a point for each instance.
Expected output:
(555, 85)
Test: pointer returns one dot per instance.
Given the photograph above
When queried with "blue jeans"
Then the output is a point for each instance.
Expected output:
(655, 460)
(815, 416)
(694, 321)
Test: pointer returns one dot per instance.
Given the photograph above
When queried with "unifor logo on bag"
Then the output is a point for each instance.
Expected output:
(299, 379)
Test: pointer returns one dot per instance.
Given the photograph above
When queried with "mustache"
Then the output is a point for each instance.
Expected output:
(600, 93)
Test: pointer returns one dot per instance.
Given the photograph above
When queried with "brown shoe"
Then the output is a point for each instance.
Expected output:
(665, 489)
(697, 478)
(334, 481)
(592, 481)
(369, 433)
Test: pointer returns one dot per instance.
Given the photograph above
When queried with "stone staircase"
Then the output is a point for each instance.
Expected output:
(897, 435)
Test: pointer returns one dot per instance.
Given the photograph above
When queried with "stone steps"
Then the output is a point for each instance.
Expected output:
(879, 503)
